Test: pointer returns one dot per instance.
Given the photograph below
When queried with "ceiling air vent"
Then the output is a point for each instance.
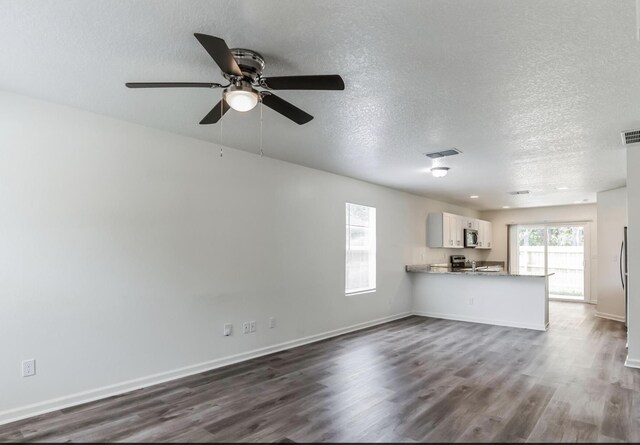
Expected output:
(520, 192)
(630, 137)
(442, 154)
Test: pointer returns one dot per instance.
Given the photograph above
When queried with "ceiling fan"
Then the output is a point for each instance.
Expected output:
(243, 69)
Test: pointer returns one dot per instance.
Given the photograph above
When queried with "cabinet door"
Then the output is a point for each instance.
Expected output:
(484, 235)
(457, 222)
(438, 230)
(448, 229)
(488, 235)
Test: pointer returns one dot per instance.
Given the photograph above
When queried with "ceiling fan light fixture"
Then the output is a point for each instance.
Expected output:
(241, 98)
(439, 172)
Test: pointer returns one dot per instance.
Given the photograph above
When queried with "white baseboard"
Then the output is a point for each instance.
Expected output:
(483, 321)
(610, 316)
(36, 409)
(632, 362)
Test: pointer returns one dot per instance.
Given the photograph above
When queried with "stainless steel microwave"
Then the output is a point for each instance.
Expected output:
(470, 238)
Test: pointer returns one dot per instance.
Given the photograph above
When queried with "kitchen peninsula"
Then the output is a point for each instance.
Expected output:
(481, 296)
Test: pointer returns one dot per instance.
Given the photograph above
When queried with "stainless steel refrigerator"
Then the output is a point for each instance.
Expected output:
(624, 275)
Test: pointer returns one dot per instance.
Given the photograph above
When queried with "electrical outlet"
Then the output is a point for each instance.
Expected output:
(252, 326)
(28, 367)
(272, 322)
(227, 329)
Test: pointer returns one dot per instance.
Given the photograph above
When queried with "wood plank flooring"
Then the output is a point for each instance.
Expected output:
(413, 380)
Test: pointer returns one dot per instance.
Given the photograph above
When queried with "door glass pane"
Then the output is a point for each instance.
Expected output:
(531, 250)
(565, 253)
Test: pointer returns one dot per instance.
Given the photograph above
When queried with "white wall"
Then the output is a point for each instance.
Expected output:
(612, 217)
(124, 249)
(633, 250)
(571, 213)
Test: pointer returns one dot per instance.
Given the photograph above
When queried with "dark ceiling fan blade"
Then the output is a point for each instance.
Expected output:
(285, 108)
(219, 51)
(172, 85)
(216, 113)
(328, 82)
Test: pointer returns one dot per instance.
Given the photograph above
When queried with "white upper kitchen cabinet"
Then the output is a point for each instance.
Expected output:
(471, 223)
(458, 232)
(485, 235)
(445, 230)
(488, 235)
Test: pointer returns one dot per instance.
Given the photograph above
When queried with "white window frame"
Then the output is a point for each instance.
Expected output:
(371, 248)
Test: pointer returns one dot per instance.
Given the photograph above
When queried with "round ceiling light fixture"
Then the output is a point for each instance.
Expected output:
(439, 172)
(241, 98)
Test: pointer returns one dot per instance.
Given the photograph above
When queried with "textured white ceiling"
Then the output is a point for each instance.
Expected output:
(534, 93)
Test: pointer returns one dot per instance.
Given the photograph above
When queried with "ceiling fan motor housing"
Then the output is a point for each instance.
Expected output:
(250, 62)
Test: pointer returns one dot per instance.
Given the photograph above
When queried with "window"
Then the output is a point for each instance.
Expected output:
(361, 249)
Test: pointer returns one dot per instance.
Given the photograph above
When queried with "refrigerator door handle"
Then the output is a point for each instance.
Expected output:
(621, 271)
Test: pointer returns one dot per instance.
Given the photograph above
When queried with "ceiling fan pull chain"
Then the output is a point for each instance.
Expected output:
(261, 152)
(221, 113)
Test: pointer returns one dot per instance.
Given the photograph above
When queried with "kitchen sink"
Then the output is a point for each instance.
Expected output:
(483, 269)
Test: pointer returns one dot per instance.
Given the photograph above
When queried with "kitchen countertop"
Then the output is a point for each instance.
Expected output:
(446, 269)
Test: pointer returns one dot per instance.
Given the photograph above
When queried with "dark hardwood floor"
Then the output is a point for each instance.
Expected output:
(416, 379)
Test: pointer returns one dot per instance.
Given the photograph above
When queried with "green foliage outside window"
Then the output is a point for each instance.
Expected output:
(558, 236)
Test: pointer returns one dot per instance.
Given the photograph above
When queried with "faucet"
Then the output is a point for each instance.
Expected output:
(473, 265)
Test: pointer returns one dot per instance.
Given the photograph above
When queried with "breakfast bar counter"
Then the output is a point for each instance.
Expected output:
(489, 296)
(480, 270)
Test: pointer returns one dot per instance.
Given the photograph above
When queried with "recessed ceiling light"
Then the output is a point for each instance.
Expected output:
(506, 207)
(563, 188)
(439, 172)
(474, 196)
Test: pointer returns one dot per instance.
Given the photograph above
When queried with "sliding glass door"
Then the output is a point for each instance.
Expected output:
(559, 249)
(566, 260)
